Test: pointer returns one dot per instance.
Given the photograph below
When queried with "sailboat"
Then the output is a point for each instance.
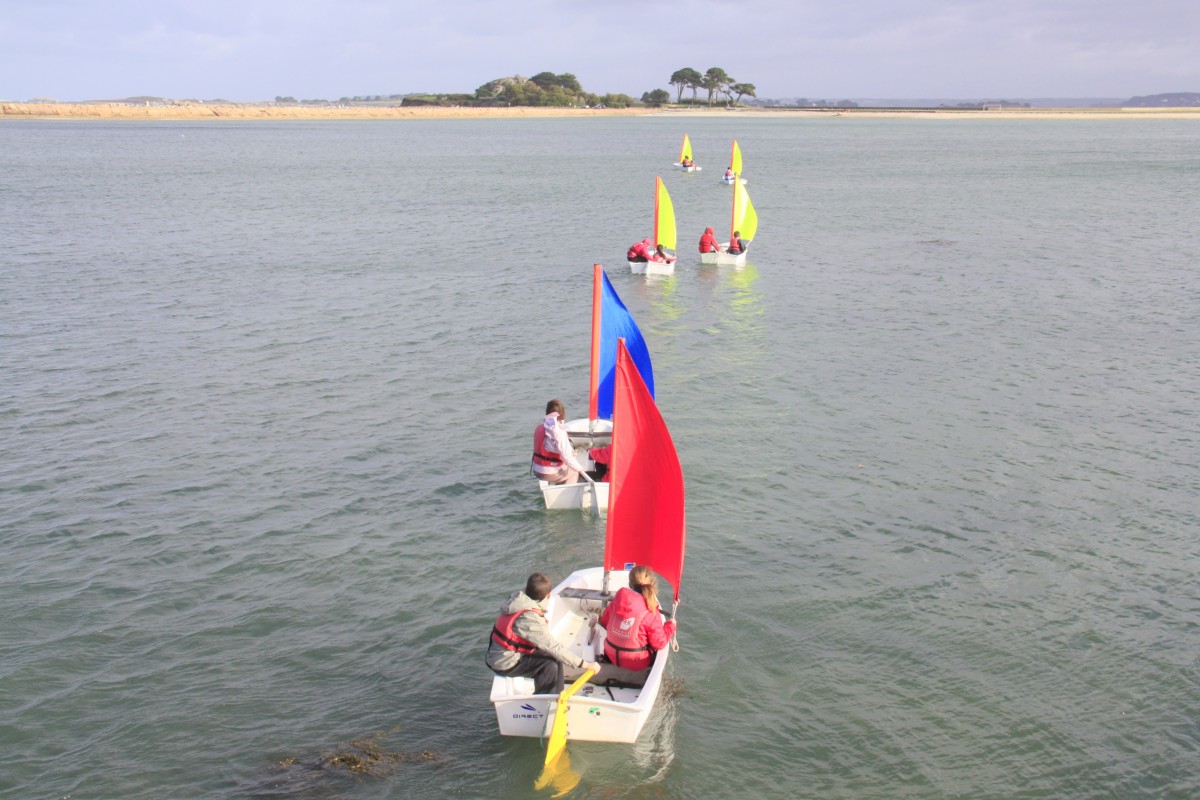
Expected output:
(611, 322)
(744, 221)
(685, 162)
(646, 525)
(735, 165)
(664, 234)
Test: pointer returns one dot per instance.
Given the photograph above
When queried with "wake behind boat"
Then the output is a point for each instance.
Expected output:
(611, 322)
(646, 525)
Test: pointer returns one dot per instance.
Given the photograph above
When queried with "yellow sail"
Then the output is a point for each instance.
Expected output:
(735, 160)
(686, 150)
(664, 216)
(745, 218)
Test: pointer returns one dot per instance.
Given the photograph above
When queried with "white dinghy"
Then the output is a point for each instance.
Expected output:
(611, 321)
(685, 161)
(735, 166)
(646, 525)
(744, 221)
(664, 234)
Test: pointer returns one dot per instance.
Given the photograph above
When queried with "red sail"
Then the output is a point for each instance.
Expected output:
(646, 520)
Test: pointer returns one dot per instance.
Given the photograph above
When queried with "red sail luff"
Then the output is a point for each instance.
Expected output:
(646, 519)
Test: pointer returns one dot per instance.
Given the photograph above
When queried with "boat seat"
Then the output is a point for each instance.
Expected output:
(517, 686)
(587, 594)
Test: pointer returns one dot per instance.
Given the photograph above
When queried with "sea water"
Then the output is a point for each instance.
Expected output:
(266, 397)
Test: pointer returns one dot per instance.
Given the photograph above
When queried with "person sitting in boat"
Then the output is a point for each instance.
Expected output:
(641, 251)
(553, 457)
(661, 256)
(686, 162)
(738, 245)
(708, 242)
(729, 173)
(601, 457)
(634, 626)
(522, 646)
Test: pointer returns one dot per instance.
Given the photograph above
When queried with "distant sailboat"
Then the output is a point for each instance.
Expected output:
(735, 166)
(685, 161)
(664, 234)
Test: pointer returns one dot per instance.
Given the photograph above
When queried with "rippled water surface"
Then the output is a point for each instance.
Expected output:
(266, 392)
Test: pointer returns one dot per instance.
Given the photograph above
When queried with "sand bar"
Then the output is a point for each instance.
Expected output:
(244, 111)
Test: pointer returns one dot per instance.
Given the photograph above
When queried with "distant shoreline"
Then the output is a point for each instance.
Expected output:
(270, 111)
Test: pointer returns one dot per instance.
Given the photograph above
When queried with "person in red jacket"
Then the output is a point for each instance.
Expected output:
(633, 623)
(641, 251)
(708, 242)
(737, 244)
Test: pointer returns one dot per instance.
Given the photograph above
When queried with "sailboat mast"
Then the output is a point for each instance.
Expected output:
(594, 377)
(733, 214)
(657, 192)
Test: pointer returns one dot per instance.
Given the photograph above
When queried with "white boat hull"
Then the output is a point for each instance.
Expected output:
(559, 496)
(708, 258)
(652, 267)
(726, 259)
(729, 181)
(692, 168)
(596, 713)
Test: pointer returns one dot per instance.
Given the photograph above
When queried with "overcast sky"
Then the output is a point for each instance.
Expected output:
(832, 49)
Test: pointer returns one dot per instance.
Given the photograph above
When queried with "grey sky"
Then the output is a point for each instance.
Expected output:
(326, 49)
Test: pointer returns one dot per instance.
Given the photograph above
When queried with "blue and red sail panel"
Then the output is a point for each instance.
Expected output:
(615, 322)
(646, 519)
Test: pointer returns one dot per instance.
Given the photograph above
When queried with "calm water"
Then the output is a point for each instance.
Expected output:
(266, 392)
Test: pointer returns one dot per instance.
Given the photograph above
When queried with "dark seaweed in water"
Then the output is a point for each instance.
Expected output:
(323, 775)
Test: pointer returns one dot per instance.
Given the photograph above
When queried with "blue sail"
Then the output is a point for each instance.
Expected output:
(617, 323)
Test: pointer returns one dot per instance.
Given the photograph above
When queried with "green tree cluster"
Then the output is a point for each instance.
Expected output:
(714, 81)
(543, 89)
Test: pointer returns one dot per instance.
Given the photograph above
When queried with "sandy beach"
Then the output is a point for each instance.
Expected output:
(244, 111)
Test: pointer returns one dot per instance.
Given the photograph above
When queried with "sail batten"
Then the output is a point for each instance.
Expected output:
(646, 518)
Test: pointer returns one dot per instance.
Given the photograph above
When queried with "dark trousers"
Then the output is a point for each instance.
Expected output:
(547, 673)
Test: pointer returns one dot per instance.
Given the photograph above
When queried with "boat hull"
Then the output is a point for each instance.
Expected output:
(560, 496)
(708, 259)
(597, 713)
(726, 259)
(682, 168)
(729, 181)
(652, 267)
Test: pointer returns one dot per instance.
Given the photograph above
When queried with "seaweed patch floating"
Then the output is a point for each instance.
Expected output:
(357, 758)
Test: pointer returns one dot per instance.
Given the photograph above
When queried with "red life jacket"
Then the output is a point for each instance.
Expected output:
(735, 245)
(708, 242)
(504, 636)
(640, 250)
(623, 643)
(542, 456)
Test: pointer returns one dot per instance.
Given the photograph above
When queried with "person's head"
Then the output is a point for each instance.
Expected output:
(537, 588)
(642, 581)
(556, 406)
(737, 234)
(659, 248)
